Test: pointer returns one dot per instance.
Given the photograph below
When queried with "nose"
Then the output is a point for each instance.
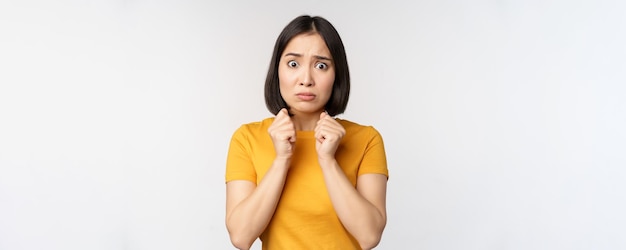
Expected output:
(307, 79)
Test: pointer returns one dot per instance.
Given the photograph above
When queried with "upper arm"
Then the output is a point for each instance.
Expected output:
(237, 191)
(373, 187)
(240, 172)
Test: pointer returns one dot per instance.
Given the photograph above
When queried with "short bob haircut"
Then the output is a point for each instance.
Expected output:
(341, 87)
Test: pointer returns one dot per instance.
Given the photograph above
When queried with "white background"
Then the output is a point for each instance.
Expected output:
(503, 120)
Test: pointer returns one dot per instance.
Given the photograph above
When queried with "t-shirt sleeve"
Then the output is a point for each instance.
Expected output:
(374, 160)
(238, 162)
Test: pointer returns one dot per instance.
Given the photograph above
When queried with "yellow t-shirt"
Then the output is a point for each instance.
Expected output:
(304, 217)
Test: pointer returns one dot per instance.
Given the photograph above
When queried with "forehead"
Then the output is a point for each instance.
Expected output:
(307, 43)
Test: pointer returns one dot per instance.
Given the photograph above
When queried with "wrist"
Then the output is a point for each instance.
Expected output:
(327, 162)
(284, 161)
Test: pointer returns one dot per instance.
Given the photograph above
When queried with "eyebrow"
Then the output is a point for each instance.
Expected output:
(316, 56)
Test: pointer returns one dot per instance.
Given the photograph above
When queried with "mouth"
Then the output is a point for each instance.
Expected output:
(306, 96)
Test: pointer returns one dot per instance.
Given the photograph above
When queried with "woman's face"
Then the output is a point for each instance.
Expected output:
(306, 74)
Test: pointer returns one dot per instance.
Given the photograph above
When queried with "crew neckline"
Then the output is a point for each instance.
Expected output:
(305, 133)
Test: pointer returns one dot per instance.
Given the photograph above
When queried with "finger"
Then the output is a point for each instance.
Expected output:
(281, 112)
(318, 131)
(322, 133)
(292, 138)
(286, 125)
(332, 122)
(320, 138)
(329, 129)
(324, 125)
(282, 117)
(323, 115)
(328, 133)
(319, 126)
(327, 123)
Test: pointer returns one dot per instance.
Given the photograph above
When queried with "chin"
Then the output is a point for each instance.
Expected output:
(306, 110)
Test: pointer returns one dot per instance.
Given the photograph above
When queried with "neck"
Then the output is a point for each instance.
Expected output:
(306, 121)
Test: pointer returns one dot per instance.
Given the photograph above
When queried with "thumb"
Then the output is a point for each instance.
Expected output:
(283, 112)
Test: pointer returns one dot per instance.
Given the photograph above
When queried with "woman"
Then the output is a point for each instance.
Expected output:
(303, 179)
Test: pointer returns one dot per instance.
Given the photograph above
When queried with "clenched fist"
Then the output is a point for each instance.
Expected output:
(283, 134)
(328, 135)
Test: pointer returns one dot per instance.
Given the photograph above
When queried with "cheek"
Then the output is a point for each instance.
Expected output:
(283, 73)
(328, 82)
(285, 80)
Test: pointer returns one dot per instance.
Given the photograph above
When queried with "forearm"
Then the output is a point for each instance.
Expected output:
(361, 218)
(251, 216)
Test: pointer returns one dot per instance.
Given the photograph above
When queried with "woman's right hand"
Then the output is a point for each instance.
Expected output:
(283, 134)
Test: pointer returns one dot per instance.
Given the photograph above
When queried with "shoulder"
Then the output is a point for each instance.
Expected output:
(255, 128)
(265, 123)
(353, 128)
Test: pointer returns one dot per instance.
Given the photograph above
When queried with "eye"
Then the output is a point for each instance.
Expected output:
(292, 64)
(321, 65)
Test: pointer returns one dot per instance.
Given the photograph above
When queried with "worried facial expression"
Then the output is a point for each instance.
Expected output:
(306, 74)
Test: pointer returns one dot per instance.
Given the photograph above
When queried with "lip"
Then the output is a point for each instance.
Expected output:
(305, 96)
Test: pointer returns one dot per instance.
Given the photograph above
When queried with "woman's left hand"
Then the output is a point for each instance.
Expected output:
(328, 135)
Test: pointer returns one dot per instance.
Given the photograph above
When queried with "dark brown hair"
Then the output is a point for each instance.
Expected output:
(341, 87)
